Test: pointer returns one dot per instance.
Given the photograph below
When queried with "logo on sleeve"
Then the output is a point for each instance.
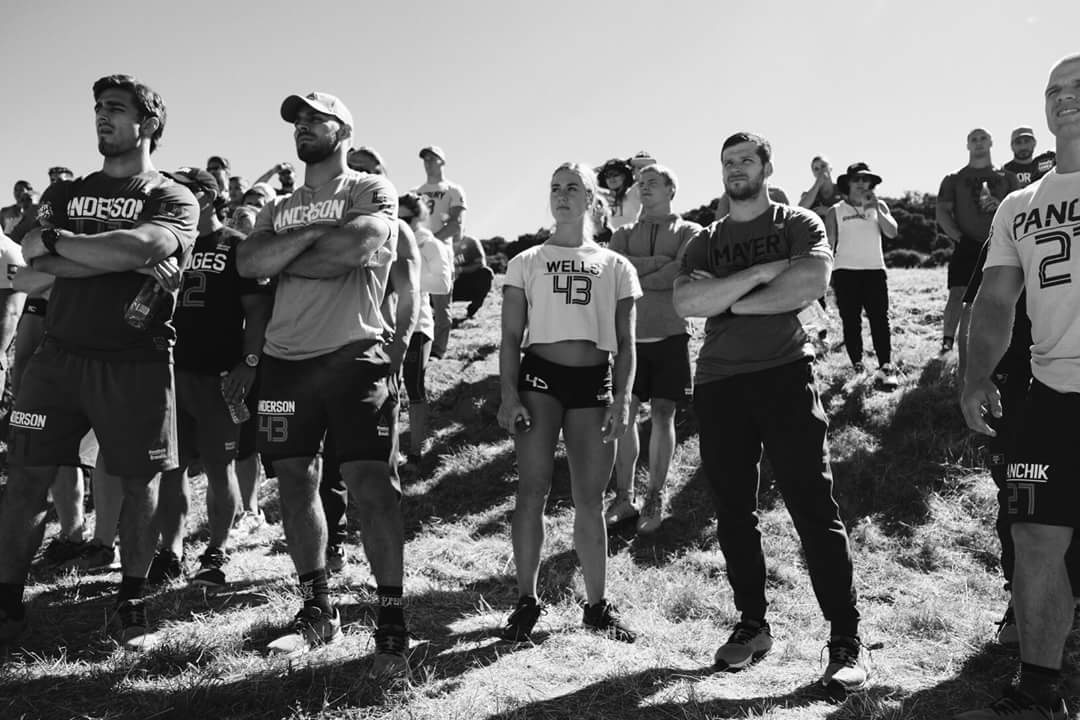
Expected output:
(45, 213)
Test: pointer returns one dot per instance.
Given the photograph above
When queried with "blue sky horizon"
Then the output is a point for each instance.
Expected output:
(511, 89)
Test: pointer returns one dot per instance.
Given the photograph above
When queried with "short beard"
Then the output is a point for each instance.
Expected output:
(750, 191)
(1024, 155)
(316, 152)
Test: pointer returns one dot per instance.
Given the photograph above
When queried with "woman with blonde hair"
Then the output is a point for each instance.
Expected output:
(569, 303)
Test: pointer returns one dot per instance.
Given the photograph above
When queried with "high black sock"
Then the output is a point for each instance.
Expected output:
(391, 605)
(131, 588)
(11, 603)
(315, 589)
(846, 628)
(1041, 683)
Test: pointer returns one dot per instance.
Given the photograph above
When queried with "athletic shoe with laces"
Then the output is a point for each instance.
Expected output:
(311, 628)
(1017, 705)
(164, 567)
(886, 378)
(522, 620)
(844, 671)
(210, 574)
(391, 652)
(61, 551)
(621, 509)
(135, 632)
(604, 618)
(336, 559)
(749, 642)
(1008, 634)
(99, 558)
(652, 512)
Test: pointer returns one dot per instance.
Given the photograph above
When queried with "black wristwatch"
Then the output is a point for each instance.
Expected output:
(251, 360)
(49, 236)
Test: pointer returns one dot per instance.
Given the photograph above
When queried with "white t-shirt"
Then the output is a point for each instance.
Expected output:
(1034, 229)
(436, 276)
(858, 239)
(625, 212)
(11, 259)
(572, 292)
(441, 198)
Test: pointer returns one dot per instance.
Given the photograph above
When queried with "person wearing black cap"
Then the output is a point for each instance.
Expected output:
(966, 203)
(101, 236)
(855, 227)
(446, 203)
(616, 180)
(330, 245)
(1024, 164)
(220, 321)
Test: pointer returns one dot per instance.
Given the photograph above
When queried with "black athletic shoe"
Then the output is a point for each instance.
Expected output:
(391, 652)
(1018, 706)
(519, 625)
(135, 631)
(210, 574)
(164, 567)
(604, 618)
(62, 551)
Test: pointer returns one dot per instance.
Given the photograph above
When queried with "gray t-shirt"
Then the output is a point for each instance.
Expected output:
(739, 344)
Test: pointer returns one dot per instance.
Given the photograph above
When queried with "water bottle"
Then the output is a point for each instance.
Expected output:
(237, 411)
(984, 194)
(147, 304)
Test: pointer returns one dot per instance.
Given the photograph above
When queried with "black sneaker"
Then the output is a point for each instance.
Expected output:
(1017, 705)
(311, 628)
(135, 632)
(62, 551)
(749, 642)
(210, 574)
(519, 625)
(844, 671)
(604, 618)
(391, 652)
(164, 567)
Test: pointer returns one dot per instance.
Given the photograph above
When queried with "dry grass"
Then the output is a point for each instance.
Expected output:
(907, 475)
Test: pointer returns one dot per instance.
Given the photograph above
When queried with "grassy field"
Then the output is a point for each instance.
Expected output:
(908, 477)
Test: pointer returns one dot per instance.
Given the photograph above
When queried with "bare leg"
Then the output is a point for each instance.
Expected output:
(22, 518)
(629, 447)
(67, 495)
(381, 525)
(952, 311)
(590, 467)
(661, 442)
(223, 501)
(249, 475)
(108, 503)
(1042, 596)
(302, 512)
(137, 532)
(536, 463)
(172, 510)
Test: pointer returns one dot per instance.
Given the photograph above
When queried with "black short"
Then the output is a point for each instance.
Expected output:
(663, 370)
(36, 306)
(962, 263)
(131, 406)
(1042, 475)
(204, 426)
(344, 392)
(588, 386)
(415, 367)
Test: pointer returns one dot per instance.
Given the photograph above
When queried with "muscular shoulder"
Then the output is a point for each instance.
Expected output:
(800, 217)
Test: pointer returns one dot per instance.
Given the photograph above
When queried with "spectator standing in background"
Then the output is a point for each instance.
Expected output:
(1025, 166)
(965, 207)
(446, 205)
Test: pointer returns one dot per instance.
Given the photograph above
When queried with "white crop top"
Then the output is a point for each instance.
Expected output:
(572, 292)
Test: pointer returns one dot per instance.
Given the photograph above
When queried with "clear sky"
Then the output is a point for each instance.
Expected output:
(510, 89)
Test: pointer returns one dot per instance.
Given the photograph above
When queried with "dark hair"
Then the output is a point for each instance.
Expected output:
(764, 149)
(622, 167)
(147, 102)
(415, 204)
